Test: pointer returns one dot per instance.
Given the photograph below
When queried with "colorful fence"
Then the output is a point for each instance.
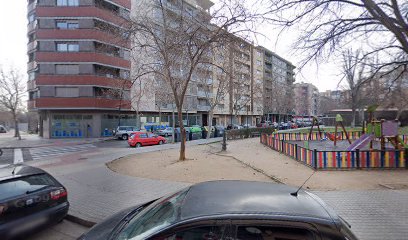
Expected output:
(325, 160)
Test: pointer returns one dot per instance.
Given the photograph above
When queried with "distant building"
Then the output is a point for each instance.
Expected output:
(307, 99)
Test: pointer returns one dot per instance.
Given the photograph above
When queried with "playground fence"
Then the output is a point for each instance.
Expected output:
(328, 160)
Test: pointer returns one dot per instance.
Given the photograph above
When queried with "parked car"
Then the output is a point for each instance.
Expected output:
(227, 210)
(138, 139)
(123, 132)
(234, 126)
(3, 129)
(30, 199)
(248, 126)
(168, 131)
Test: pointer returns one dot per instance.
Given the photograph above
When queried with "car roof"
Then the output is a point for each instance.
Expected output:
(240, 197)
(19, 171)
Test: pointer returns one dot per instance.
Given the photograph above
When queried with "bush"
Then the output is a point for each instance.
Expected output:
(248, 132)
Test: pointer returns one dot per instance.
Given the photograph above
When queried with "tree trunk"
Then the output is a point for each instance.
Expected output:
(399, 112)
(353, 117)
(210, 118)
(182, 156)
(138, 120)
(16, 129)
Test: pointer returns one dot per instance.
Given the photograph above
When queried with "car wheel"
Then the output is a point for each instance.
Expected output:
(124, 136)
(160, 142)
(138, 145)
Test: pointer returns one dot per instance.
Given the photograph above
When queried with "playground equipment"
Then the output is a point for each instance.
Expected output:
(382, 130)
(339, 122)
(333, 137)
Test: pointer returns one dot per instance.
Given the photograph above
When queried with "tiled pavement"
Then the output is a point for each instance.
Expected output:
(379, 214)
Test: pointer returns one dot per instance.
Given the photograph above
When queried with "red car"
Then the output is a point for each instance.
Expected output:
(138, 139)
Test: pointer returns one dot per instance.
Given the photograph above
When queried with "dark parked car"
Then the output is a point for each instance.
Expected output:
(227, 210)
(30, 198)
(3, 129)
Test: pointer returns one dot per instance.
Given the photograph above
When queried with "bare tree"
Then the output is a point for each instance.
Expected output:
(396, 92)
(172, 41)
(328, 25)
(213, 82)
(12, 92)
(355, 76)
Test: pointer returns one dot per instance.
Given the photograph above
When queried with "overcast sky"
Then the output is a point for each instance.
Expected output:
(13, 46)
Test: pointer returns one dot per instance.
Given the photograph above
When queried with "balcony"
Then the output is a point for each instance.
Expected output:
(31, 85)
(91, 34)
(203, 108)
(31, 6)
(82, 103)
(31, 104)
(32, 26)
(31, 65)
(88, 57)
(92, 80)
(202, 94)
(88, 11)
(31, 46)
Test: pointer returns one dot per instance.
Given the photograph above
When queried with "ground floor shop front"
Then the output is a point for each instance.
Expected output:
(91, 124)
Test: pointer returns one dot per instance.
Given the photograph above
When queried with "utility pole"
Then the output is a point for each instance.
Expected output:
(174, 125)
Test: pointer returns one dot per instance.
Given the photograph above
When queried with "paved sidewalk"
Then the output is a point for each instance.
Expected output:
(95, 192)
(373, 215)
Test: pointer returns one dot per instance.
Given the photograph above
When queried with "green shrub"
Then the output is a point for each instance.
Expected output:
(248, 132)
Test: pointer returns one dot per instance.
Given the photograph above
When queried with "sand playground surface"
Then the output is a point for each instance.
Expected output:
(250, 160)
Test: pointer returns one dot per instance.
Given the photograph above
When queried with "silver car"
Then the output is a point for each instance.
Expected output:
(168, 131)
(123, 132)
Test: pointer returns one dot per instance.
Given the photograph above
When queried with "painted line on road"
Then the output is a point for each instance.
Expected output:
(18, 156)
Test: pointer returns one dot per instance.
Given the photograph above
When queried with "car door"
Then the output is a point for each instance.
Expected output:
(265, 229)
(202, 230)
(143, 139)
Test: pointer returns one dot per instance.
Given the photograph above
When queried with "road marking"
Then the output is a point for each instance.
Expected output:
(18, 156)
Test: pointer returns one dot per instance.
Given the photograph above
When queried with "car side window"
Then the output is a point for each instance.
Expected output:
(144, 135)
(273, 232)
(198, 233)
(129, 129)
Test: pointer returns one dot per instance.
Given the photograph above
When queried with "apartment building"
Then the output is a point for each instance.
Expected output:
(78, 66)
(307, 99)
(276, 77)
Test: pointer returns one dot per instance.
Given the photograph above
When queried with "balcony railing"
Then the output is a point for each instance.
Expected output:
(32, 46)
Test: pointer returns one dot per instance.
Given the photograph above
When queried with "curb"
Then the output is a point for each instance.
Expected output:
(53, 145)
(80, 221)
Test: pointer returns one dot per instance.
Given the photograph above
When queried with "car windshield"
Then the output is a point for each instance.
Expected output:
(157, 216)
(19, 186)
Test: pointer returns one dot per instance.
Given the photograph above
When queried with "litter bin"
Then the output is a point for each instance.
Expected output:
(219, 131)
(177, 133)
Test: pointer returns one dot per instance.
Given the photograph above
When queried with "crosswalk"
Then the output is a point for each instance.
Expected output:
(54, 151)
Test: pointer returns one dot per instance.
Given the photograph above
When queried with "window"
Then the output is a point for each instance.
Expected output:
(67, 69)
(67, 24)
(67, 92)
(68, 3)
(155, 217)
(68, 47)
(203, 232)
(19, 186)
(270, 232)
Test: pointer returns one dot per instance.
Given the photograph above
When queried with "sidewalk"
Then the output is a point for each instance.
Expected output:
(95, 192)
(7, 140)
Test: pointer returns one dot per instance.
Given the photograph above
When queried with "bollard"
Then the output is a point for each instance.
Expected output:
(406, 158)
(224, 141)
(358, 158)
(315, 158)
